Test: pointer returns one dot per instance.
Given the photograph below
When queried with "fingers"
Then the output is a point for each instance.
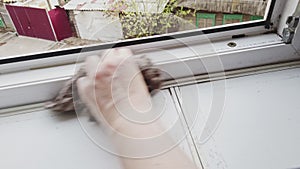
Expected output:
(86, 93)
(114, 57)
(84, 89)
(124, 52)
(97, 67)
(102, 70)
(92, 64)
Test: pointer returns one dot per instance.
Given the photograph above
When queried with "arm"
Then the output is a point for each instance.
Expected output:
(115, 91)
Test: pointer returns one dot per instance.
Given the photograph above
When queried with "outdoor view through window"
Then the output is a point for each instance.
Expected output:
(30, 26)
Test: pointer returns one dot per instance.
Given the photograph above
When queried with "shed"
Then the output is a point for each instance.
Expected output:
(91, 20)
(250, 7)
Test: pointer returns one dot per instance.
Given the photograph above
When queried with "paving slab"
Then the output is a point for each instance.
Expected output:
(19, 45)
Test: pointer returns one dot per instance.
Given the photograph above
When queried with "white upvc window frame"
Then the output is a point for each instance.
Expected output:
(38, 80)
(217, 33)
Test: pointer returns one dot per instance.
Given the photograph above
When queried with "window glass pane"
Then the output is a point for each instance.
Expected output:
(204, 20)
(28, 26)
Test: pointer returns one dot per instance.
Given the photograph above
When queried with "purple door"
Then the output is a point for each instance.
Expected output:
(60, 22)
(33, 22)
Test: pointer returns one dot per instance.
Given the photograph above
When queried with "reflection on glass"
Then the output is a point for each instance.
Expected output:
(44, 25)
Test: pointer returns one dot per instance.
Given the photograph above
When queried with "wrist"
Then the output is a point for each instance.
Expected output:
(122, 126)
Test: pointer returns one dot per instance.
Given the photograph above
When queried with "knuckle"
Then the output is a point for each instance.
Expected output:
(92, 59)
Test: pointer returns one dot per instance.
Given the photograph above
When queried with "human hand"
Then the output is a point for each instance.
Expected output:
(113, 87)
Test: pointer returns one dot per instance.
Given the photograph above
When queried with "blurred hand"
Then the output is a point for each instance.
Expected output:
(114, 86)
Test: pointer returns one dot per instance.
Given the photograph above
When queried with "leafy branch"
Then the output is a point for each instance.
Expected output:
(139, 19)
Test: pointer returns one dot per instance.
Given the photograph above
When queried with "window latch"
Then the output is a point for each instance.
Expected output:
(289, 32)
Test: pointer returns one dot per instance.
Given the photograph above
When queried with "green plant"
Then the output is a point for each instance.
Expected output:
(140, 19)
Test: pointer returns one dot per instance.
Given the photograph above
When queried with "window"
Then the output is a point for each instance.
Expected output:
(205, 20)
(79, 24)
(47, 71)
(231, 18)
(256, 18)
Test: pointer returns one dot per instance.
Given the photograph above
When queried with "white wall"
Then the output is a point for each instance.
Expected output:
(93, 25)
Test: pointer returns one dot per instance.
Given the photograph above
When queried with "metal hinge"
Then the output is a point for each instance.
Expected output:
(289, 32)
